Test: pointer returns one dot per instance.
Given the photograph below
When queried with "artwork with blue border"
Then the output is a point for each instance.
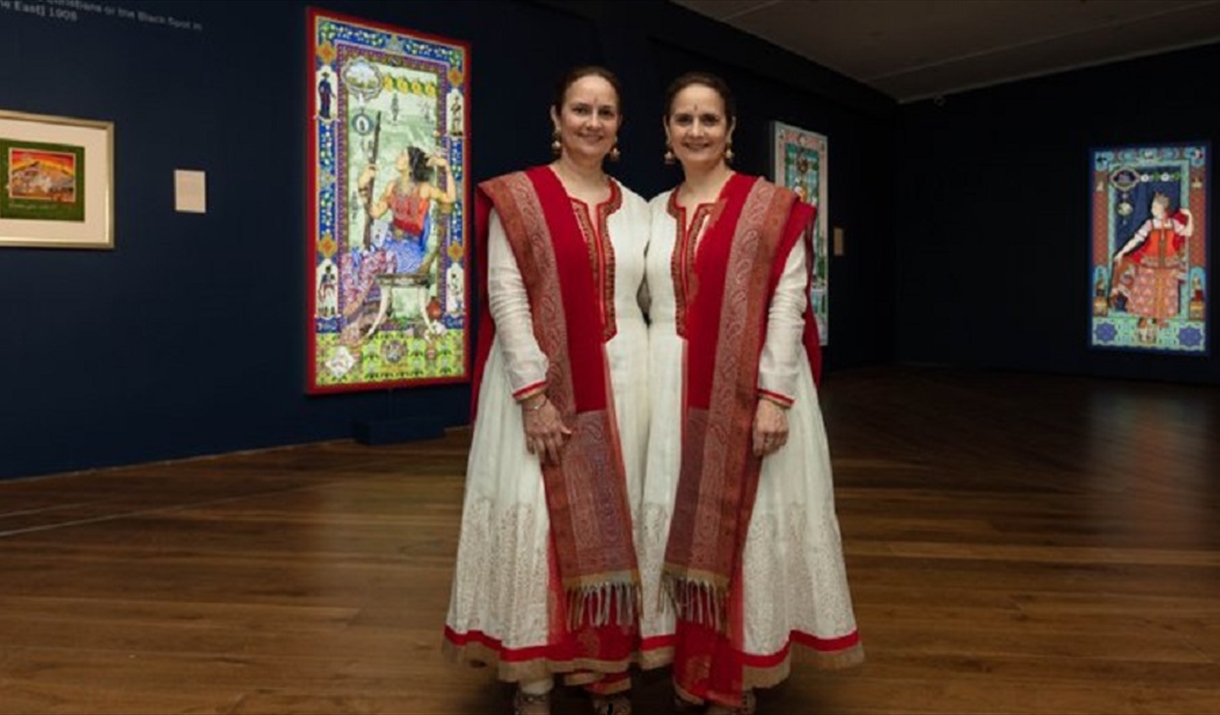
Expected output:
(1148, 277)
(389, 286)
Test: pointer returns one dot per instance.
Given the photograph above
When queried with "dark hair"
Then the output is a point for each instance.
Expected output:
(418, 160)
(576, 74)
(707, 79)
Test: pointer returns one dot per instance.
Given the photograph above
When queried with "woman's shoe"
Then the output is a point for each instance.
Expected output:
(530, 704)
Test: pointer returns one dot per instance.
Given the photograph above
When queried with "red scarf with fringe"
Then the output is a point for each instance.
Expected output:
(587, 491)
(738, 263)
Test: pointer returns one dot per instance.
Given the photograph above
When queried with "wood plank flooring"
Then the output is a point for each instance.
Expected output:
(1015, 544)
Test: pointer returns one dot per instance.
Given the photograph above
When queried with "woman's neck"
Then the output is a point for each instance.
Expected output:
(703, 186)
(580, 176)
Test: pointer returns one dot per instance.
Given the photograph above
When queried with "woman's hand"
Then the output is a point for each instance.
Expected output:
(545, 432)
(367, 176)
(770, 428)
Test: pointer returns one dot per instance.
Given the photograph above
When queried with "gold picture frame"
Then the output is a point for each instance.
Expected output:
(56, 182)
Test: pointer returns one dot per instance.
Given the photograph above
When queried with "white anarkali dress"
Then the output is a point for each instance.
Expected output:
(794, 579)
(498, 602)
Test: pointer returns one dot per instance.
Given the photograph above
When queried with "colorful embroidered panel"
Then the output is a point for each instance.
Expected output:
(389, 147)
(1148, 271)
(799, 163)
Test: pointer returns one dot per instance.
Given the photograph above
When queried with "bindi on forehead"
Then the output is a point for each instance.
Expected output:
(594, 104)
(599, 99)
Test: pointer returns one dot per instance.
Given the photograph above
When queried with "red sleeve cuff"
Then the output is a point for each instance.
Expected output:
(529, 391)
(781, 400)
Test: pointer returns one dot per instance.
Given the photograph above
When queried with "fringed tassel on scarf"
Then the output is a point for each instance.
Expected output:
(598, 604)
(696, 601)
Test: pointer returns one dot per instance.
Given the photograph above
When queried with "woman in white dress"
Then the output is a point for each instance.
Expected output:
(739, 543)
(546, 580)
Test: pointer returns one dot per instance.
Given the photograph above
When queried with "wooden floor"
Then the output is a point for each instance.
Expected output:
(1015, 544)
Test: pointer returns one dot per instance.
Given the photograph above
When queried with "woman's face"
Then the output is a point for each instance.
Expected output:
(697, 128)
(589, 120)
(1158, 209)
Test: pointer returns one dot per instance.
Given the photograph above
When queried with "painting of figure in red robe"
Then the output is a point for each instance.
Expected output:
(1149, 273)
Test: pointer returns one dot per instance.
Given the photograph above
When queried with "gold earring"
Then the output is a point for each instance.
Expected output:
(728, 152)
(615, 154)
(669, 155)
(556, 145)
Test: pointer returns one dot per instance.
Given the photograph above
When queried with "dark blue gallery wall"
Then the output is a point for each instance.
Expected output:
(993, 214)
(189, 337)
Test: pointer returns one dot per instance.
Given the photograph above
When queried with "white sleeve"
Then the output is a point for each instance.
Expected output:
(779, 365)
(525, 362)
(1136, 239)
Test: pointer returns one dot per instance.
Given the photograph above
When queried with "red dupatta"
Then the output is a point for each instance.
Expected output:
(587, 491)
(738, 263)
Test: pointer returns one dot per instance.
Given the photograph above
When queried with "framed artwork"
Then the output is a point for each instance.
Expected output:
(799, 162)
(388, 287)
(1148, 276)
(58, 177)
